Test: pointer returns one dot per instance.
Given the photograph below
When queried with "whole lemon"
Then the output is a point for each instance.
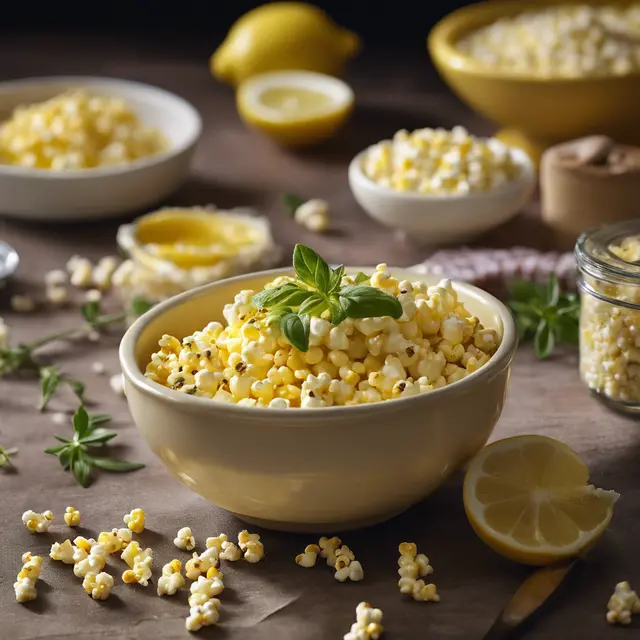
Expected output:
(283, 35)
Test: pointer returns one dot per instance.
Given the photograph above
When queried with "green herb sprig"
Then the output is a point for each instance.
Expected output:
(6, 455)
(87, 435)
(545, 314)
(318, 292)
(292, 202)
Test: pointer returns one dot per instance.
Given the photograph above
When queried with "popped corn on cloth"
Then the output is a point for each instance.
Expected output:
(276, 599)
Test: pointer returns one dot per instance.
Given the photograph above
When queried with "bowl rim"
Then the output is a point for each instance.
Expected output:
(442, 37)
(160, 95)
(291, 417)
(357, 175)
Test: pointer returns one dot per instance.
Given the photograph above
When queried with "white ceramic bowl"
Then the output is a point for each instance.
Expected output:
(43, 194)
(434, 219)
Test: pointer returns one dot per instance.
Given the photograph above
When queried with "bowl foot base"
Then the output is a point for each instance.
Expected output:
(319, 528)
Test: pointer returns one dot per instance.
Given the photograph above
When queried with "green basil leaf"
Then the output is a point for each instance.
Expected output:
(362, 277)
(314, 306)
(49, 382)
(98, 436)
(553, 290)
(140, 306)
(295, 328)
(110, 464)
(311, 268)
(526, 326)
(290, 295)
(523, 308)
(90, 311)
(566, 329)
(81, 471)
(544, 340)
(81, 422)
(77, 386)
(56, 450)
(98, 418)
(360, 301)
(65, 457)
(276, 315)
(337, 312)
(526, 291)
(292, 202)
(336, 278)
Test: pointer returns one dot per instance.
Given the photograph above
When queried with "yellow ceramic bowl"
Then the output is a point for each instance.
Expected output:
(536, 112)
(318, 470)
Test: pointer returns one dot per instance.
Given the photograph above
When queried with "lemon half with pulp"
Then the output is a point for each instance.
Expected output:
(295, 108)
(529, 499)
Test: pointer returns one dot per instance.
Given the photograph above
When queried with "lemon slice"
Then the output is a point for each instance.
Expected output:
(529, 499)
(295, 108)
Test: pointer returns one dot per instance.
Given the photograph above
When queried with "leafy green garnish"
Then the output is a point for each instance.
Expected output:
(317, 292)
(6, 455)
(545, 314)
(292, 202)
(74, 454)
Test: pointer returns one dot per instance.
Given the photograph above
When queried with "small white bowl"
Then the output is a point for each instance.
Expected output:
(435, 219)
(43, 194)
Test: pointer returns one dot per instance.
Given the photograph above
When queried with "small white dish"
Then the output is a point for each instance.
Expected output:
(43, 194)
(436, 219)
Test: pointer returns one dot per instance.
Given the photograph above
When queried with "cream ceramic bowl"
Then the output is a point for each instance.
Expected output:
(319, 470)
(100, 192)
(434, 219)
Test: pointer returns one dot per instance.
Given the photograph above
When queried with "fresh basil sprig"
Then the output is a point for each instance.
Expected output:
(319, 292)
(6, 455)
(545, 314)
(74, 454)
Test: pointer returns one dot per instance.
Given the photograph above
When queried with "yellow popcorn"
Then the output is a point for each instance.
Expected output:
(140, 573)
(76, 130)
(71, 517)
(412, 566)
(85, 544)
(63, 552)
(184, 539)
(203, 589)
(216, 541)
(623, 603)
(434, 343)
(135, 520)
(31, 566)
(133, 551)
(98, 586)
(203, 615)
(171, 579)
(37, 522)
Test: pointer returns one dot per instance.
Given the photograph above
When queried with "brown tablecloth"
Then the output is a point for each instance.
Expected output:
(276, 599)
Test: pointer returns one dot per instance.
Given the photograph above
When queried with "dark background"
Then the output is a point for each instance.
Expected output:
(399, 22)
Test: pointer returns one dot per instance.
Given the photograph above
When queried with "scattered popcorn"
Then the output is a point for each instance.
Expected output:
(200, 564)
(184, 539)
(214, 572)
(62, 551)
(254, 552)
(140, 573)
(93, 295)
(4, 334)
(71, 514)
(98, 586)
(22, 304)
(37, 522)
(623, 603)
(116, 382)
(81, 272)
(359, 361)
(309, 557)
(77, 130)
(368, 625)
(31, 566)
(25, 590)
(570, 41)
(103, 273)
(313, 214)
(440, 162)
(57, 296)
(230, 552)
(135, 520)
(60, 418)
(98, 368)
(204, 589)
(171, 579)
(412, 566)
(216, 541)
(115, 540)
(352, 571)
(55, 278)
(328, 548)
(85, 544)
(133, 551)
(94, 562)
(203, 615)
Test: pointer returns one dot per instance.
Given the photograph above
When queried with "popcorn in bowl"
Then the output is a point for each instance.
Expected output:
(323, 338)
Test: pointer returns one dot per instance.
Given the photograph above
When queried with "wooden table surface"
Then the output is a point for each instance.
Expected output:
(276, 599)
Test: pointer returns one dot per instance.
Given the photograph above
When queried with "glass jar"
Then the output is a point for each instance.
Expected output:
(608, 260)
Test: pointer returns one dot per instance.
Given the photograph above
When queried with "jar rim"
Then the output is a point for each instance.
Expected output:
(595, 258)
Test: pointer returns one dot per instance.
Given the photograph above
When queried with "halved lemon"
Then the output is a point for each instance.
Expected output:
(529, 499)
(295, 108)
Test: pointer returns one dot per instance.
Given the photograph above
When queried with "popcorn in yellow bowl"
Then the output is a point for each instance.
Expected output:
(77, 130)
(440, 162)
(323, 338)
